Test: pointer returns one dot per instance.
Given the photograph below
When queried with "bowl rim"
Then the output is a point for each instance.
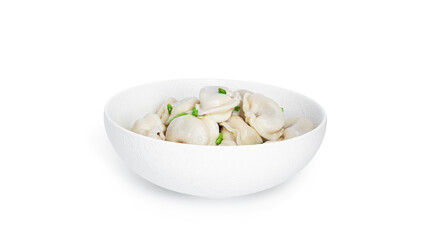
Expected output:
(320, 126)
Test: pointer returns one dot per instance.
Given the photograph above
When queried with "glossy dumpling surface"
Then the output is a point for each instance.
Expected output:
(240, 112)
(185, 105)
(243, 133)
(264, 115)
(163, 112)
(228, 138)
(297, 126)
(217, 105)
(193, 130)
(150, 126)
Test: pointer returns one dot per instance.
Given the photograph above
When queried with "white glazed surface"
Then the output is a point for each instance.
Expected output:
(210, 171)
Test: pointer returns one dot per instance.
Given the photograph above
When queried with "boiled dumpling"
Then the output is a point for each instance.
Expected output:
(297, 126)
(193, 130)
(216, 104)
(150, 126)
(163, 111)
(242, 117)
(264, 115)
(242, 92)
(184, 105)
(228, 138)
(240, 112)
(243, 133)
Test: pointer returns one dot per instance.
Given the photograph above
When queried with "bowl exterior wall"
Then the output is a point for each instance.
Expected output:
(214, 172)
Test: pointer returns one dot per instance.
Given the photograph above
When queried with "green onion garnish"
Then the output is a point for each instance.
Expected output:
(219, 139)
(195, 112)
(283, 110)
(220, 90)
(237, 108)
(169, 108)
(179, 115)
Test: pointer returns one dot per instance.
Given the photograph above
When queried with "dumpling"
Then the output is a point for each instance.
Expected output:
(264, 115)
(297, 126)
(217, 105)
(163, 111)
(240, 112)
(243, 133)
(184, 105)
(193, 130)
(228, 138)
(242, 92)
(150, 126)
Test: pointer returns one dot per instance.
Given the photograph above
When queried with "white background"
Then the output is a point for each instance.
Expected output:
(364, 61)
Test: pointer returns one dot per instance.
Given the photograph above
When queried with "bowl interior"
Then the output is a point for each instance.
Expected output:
(131, 104)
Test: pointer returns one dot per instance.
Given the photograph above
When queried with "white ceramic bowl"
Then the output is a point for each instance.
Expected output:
(210, 171)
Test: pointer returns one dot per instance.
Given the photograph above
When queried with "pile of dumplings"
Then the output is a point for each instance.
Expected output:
(221, 117)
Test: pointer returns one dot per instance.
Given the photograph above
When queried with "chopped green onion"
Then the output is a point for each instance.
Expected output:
(219, 139)
(169, 108)
(195, 112)
(237, 108)
(179, 115)
(220, 90)
(283, 110)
